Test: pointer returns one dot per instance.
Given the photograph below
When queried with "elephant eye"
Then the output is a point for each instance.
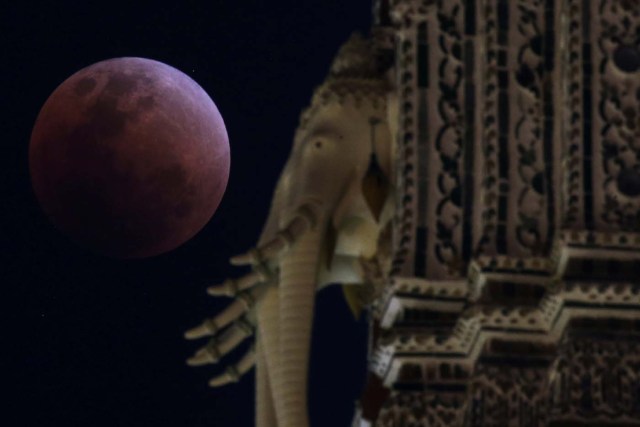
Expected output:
(318, 144)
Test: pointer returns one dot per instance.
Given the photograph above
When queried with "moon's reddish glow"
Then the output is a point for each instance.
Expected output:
(129, 157)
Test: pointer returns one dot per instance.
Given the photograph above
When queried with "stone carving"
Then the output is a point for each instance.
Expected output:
(530, 185)
(405, 226)
(555, 89)
(448, 141)
(491, 183)
(418, 409)
(617, 64)
(597, 380)
(572, 119)
(508, 396)
(432, 119)
(516, 130)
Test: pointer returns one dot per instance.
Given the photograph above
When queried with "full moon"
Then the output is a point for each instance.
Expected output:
(129, 157)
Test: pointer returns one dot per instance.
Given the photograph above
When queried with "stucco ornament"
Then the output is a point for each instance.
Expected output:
(332, 204)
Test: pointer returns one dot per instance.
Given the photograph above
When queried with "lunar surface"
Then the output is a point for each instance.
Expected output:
(129, 157)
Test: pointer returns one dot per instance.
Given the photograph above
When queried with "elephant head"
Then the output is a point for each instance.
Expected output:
(331, 201)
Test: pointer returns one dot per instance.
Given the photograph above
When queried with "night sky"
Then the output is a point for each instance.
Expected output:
(92, 341)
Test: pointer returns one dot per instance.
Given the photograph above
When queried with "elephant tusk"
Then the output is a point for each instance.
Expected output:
(284, 239)
(217, 348)
(233, 373)
(244, 302)
(231, 287)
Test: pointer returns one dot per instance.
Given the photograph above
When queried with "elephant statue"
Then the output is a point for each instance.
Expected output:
(330, 207)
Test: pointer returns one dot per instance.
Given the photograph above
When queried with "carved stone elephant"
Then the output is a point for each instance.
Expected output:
(330, 204)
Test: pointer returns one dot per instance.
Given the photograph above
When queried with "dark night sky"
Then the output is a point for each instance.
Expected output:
(91, 341)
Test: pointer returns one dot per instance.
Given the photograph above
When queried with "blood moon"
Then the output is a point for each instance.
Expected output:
(129, 157)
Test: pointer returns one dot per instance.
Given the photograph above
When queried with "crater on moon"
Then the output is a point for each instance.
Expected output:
(85, 86)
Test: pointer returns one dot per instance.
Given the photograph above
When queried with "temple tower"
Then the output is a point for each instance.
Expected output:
(514, 292)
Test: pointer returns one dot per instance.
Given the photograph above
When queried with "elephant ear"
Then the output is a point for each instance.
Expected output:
(375, 187)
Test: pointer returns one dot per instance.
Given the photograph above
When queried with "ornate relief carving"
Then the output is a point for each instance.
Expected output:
(418, 409)
(490, 177)
(617, 61)
(571, 246)
(585, 65)
(484, 270)
(618, 293)
(516, 124)
(408, 10)
(448, 132)
(597, 380)
(404, 229)
(414, 293)
(528, 183)
(544, 323)
(489, 139)
(431, 99)
(571, 117)
(508, 396)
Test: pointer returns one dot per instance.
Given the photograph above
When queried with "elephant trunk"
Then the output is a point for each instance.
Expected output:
(298, 275)
(267, 352)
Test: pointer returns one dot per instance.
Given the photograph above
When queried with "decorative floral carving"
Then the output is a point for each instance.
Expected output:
(618, 52)
(448, 139)
(578, 75)
(528, 128)
(418, 409)
(570, 67)
(508, 396)
(597, 379)
(408, 10)
(431, 159)
(490, 173)
(514, 122)
(404, 229)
